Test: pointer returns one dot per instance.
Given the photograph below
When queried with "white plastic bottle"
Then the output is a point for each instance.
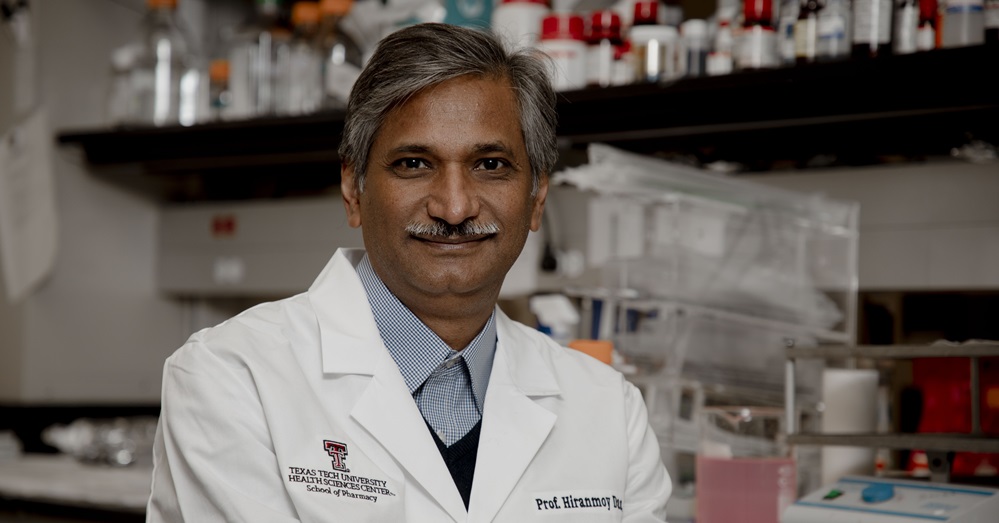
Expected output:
(654, 51)
(562, 39)
(992, 21)
(605, 54)
(518, 22)
(963, 23)
(720, 60)
(872, 28)
(695, 42)
(785, 29)
(906, 36)
(834, 30)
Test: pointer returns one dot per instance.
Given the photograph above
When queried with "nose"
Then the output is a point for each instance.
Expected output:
(453, 196)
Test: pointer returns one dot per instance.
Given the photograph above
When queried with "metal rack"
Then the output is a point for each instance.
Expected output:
(936, 445)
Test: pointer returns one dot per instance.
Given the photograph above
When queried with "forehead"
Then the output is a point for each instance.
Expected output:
(458, 108)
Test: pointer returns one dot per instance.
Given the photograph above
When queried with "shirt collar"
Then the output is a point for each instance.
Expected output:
(418, 350)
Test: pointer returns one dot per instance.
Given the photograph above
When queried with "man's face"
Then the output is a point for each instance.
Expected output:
(452, 155)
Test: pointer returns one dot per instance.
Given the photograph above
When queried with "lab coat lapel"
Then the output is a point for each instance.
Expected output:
(351, 345)
(400, 428)
(514, 425)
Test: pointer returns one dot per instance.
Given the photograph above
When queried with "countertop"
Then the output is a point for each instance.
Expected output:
(61, 480)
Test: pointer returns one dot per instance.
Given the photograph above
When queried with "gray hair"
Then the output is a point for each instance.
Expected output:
(422, 56)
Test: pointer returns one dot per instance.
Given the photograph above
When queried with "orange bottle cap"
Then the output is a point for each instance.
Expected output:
(303, 13)
(218, 71)
(599, 349)
(335, 7)
(156, 4)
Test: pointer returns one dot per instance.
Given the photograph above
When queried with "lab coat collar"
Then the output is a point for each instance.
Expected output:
(514, 425)
(345, 321)
(351, 344)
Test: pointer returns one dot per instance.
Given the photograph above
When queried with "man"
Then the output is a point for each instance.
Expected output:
(395, 389)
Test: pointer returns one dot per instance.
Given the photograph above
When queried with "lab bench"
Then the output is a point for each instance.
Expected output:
(58, 488)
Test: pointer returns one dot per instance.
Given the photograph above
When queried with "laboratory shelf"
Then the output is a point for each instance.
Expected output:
(848, 112)
(941, 444)
(928, 442)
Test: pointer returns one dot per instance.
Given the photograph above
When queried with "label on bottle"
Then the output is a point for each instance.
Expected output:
(872, 21)
(806, 37)
(787, 39)
(926, 38)
(834, 25)
(758, 49)
(600, 64)
(719, 63)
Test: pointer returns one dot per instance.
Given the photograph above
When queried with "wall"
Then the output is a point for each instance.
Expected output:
(96, 331)
(923, 227)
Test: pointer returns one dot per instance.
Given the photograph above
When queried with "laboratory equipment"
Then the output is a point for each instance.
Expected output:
(745, 473)
(855, 499)
(654, 48)
(872, 21)
(299, 84)
(518, 22)
(341, 56)
(563, 40)
(256, 53)
(166, 87)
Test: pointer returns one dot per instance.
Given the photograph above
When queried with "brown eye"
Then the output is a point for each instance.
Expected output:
(492, 164)
(412, 163)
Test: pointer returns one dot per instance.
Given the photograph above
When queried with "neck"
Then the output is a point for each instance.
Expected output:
(456, 319)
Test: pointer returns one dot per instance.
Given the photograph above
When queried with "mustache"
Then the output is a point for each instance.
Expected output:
(442, 229)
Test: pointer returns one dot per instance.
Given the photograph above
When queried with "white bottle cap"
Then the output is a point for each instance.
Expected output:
(694, 28)
(641, 34)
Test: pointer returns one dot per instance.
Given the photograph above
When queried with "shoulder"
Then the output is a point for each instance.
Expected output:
(572, 369)
(258, 333)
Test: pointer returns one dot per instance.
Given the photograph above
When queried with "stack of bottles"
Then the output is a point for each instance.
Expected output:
(158, 78)
(272, 65)
(279, 71)
(650, 41)
(294, 58)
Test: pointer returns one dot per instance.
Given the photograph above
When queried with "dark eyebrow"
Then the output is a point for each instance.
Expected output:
(492, 147)
(479, 148)
(412, 149)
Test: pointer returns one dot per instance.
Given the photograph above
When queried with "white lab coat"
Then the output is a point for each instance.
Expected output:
(249, 405)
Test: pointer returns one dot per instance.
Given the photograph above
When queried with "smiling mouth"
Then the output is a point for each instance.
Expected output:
(453, 240)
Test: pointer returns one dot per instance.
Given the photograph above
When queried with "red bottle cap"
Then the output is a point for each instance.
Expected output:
(927, 10)
(562, 26)
(605, 24)
(646, 13)
(758, 12)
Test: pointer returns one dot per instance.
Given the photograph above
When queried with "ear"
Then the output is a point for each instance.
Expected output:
(351, 198)
(539, 203)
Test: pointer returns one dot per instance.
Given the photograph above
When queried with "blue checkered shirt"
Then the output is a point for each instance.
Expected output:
(449, 386)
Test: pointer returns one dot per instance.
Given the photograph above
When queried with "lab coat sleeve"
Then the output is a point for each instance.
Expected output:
(649, 485)
(213, 456)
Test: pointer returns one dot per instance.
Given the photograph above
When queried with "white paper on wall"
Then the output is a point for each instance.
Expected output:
(28, 221)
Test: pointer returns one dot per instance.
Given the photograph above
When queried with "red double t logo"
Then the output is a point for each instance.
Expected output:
(337, 451)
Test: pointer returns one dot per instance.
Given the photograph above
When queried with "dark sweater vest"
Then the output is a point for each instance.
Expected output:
(460, 459)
